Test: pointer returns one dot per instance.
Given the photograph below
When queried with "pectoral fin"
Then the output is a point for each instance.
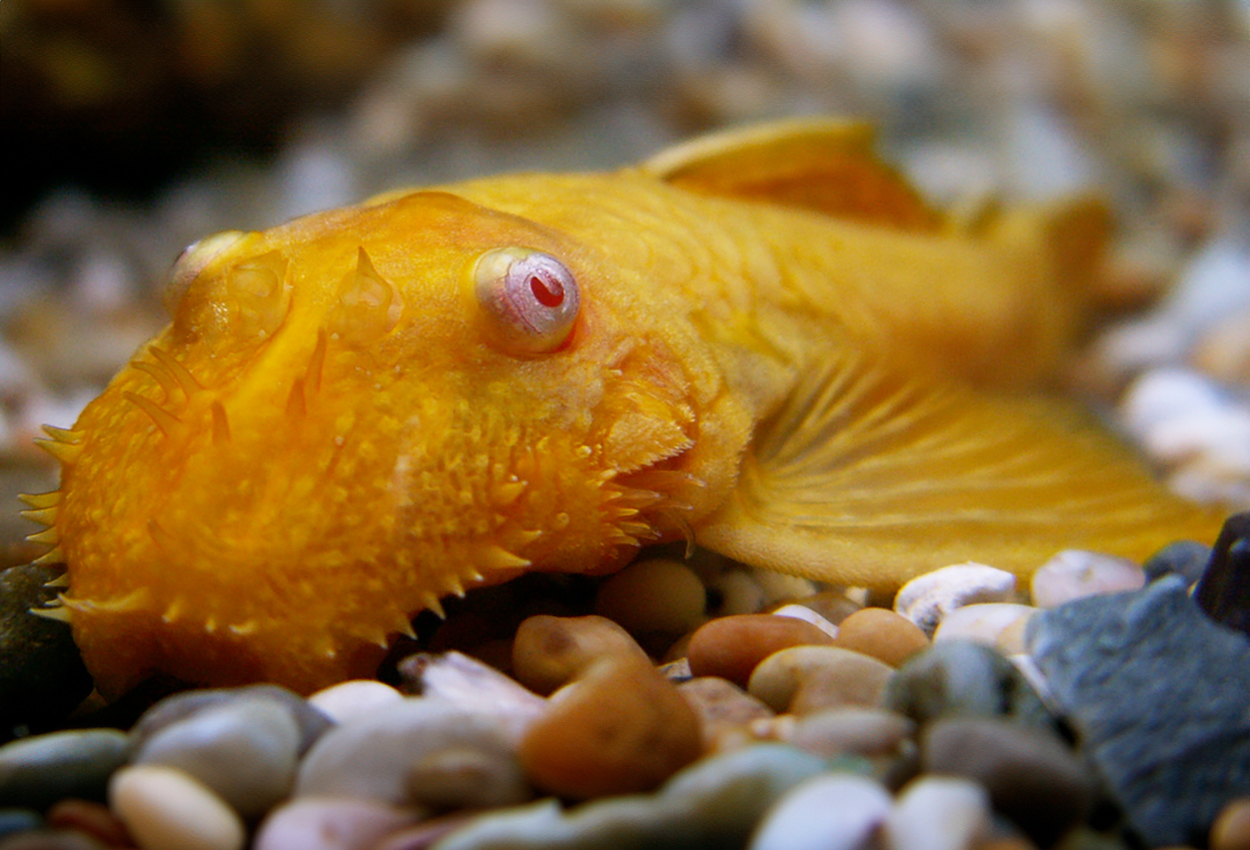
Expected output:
(820, 164)
(868, 478)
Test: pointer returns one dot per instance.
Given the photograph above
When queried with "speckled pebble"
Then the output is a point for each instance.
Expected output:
(392, 755)
(37, 771)
(549, 652)
(1031, 776)
(882, 634)
(245, 750)
(348, 700)
(938, 813)
(1231, 830)
(653, 595)
(1075, 573)
(620, 728)
(984, 622)
(94, 819)
(330, 823)
(837, 811)
(926, 599)
(732, 647)
(865, 732)
(165, 809)
(803, 679)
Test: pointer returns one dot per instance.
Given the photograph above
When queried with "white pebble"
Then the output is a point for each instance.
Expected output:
(165, 809)
(331, 823)
(926, 599)
(1164, 395)
(807, 615)
(358, 697)
(833, 811)
(938, 813)
(983, 622)
(1075, 573)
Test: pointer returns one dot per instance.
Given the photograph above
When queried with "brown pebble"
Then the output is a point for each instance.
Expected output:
(621, 728)
(658, 595)
(51, 839)
(732, 647)
(804, 679)
(549, 652)
(1231, 830)
(882, 634)
(95, 819)
(720, 703)
(864, 732)
(834, 605)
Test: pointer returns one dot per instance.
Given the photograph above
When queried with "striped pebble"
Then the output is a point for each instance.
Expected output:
(165, 809)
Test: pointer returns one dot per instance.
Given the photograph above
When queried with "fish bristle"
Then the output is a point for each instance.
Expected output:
(316, 363)
(190, 386)
(164, 420)
(59, 582)
(55, 555)
(160, 374)
(59, 613)
(41, 500)
(66, 453)
(43, 516)
(49, 536)
(63, 435)
(296, 406)
(221, 424)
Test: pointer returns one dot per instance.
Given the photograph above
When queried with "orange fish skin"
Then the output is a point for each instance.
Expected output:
(327, 439)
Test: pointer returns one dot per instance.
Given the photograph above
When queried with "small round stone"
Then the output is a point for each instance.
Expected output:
(720, 704)
(1031, 776)
(549, 652)
(245, 750)
(347, 700)
(1231, 830)
(881, 634)
(984, 622)
(731, 647)
(1075, 573)
(331, 823)
(658, 595)
(94, 819)
(866, 732)
(621, 728)
(13, 821)
(926, 599)
(1186, 558)
(836, 811)
(803, 679)
(165, 809)
(37, 771)
(939, 813)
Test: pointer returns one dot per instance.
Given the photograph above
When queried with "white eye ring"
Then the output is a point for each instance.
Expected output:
(528, 298)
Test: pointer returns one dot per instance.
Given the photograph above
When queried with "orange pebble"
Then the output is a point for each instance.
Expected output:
(731, 647)
(883, 634)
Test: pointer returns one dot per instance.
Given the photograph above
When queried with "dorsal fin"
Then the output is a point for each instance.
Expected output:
(822, 164)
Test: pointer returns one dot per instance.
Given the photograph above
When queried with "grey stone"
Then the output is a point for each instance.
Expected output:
(1224, 590)
(35, 772)
(18, 820)
(1157, 693)
(1186, 558)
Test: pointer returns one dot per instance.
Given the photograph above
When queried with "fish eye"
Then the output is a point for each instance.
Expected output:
(191, 262)
(528, 298)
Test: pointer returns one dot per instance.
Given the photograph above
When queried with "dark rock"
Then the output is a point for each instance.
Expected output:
(51, 839)
(1223, 592)
(42, 677)
(1157, 694)
(38, 771)
(962, 677)
(1186, 558)
(13, 821)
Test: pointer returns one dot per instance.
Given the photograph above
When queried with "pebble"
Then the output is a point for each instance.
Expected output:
(837, 811)
(621, 728)
(655, 595)
(41, 671)
(1156, 693)
(938, 813)
(1186, 558)
(419, 752)
(865, 732)
(731, 647)
(18, 820)
(37, 771)
(245, 750)
(1223, 592)
(803, 679)
(348, 700)
(962, 677)
(1231, 830)
(832, 606)
(549, 652)
(51, 839)
(329, 823)
(1074, 573)
(882, 634)
(715, 802)
(471, 686)
(984, 622)
(94, 819)
(926, 599)
(165, 809)
(720, 703)
(1030, 776)
(735, 592)
(802, 612)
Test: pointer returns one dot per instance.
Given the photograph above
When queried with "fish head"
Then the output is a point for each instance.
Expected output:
(350, 417)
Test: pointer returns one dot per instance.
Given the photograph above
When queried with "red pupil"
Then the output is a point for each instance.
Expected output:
(548, 295)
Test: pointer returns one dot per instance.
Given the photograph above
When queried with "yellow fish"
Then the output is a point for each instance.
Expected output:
(763, 340)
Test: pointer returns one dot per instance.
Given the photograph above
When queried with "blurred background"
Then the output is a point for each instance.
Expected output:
(138, 126)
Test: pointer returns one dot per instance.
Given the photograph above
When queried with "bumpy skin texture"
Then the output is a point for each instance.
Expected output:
(328, 438)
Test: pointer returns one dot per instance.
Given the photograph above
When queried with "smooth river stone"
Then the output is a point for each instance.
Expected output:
(246, 750)
(984, 622)
(1075, 573)
(926, 599)
(803, 679)
(731, 647)
(348, 700)
(656, 595)
(392, 755)
(621, 728)
(331, 823)
(549, 652)
(837, 811)
(165, 809)
(865, 732)
(938, 813)
(881, 634)
(37, 771)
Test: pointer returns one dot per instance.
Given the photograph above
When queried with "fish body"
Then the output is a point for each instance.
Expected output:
(763, 340)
